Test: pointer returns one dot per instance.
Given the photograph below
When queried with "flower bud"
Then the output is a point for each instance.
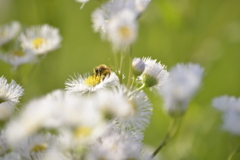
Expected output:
(138, 66)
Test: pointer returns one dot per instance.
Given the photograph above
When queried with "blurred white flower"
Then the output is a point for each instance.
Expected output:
(115, 145)
(116, 20)
(56, 110)
(9, 31)
(17, 57)
(131, 109)
(53, 153)
(3, 143)
(154, 74)
(231, 119)
(134, 133)
(103, 15)
(10, 92)
(11, 156)
(34, 116)
(83, 84)
(35, 145)
(225, 103)
(183, 82)
(230, 108)
(40, 39)
(138, 66)
(122, 29)
(6, 110)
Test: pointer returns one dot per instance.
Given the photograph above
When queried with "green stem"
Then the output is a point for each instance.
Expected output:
(116, 61)
(138, 89)
(232, 154)
(30, 73)
(233, 151)
(169, 135)
(16, 73)
(130, 68)
(121, 68)
(133, 80)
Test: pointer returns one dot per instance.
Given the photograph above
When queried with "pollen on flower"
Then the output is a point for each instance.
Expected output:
(93, 80)
(37, 42)
(39, 147)
(82, 132)
(133, 105)
(18, 53)
(3, 34)
(124, 31)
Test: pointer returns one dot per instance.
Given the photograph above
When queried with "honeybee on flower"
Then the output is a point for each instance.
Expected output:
(103, 77)
(102, 71)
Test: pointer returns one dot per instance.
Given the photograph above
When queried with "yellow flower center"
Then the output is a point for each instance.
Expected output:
(37, 42)
(3, 34)
(93, 80)
(125, 32)
(18, 53)
(39, 147)
(81, 132)
(133, 105)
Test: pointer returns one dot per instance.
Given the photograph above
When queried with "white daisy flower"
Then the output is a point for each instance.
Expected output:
(55, 110)
(183, 82)
(10, 92)
(131, 109)
(117, 146)
(123, 24)
(122, 29)
(230, 107)
(8, 32)
(32, 117)
(154, 74)
(103, 15)
(84, 133)
(84, 123)
(40, 39)
(83, 84)
(17, 57)
(34, 145)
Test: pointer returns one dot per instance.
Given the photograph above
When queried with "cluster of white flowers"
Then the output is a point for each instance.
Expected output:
(99, 115)
(116, 20)
(31, 43)
(230, 108)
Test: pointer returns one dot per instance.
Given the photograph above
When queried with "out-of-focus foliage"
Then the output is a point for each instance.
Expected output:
(172, 31)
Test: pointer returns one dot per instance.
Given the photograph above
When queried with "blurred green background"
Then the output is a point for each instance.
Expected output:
(173, 31)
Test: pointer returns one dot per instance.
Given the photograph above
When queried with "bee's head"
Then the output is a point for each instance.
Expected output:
(96, 70)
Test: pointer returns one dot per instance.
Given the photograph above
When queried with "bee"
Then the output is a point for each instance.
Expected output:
(102, 71)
